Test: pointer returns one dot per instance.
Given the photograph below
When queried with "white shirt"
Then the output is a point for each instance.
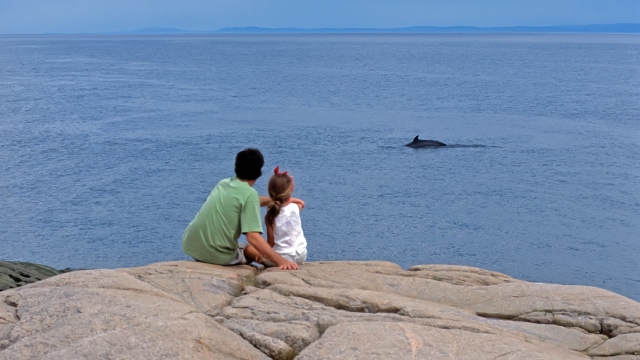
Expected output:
(287, 232)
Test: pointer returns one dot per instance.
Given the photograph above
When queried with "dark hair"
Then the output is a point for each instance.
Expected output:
(279, 192)
(249, 164)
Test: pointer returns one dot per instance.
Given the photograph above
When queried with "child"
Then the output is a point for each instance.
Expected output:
(284, 228)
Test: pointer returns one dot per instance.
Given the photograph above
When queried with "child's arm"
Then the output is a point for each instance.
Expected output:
(270, 238)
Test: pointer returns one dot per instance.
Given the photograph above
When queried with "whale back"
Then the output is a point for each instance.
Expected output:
(417, 143)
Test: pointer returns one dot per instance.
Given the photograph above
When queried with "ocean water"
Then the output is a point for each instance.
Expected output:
(110, 144)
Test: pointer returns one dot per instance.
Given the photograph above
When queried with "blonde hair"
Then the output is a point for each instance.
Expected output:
(279, 192)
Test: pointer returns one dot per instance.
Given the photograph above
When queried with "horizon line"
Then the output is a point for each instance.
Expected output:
(622, 28)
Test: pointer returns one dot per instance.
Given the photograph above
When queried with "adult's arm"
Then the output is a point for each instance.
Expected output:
(270, 238)
(256, 240)
(265, 201)
(298, 202)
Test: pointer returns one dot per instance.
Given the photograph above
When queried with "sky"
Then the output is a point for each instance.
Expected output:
(95, 16)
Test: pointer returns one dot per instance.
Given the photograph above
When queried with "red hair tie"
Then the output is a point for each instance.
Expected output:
(277, 171)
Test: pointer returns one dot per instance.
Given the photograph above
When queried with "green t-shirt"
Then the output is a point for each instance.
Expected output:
(232, 208)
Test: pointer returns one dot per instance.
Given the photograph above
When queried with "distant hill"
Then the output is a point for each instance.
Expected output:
(156, 30)
(596, 28)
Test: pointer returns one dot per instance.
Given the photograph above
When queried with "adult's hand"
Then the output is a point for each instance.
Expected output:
(257, 241)
(288, 266)
(297, 201)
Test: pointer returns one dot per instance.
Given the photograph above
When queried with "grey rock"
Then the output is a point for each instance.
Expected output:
(565, 305)
(14, 274)
(571, 337)
(206, 287)
(276, 339)
(353, 310)
(109, 314)
(385, 340)
(461, 275)
(620, 345)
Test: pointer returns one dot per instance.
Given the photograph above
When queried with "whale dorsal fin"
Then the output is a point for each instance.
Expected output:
(415, 138)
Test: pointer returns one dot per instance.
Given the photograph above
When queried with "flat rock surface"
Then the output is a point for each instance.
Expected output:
(325, 310)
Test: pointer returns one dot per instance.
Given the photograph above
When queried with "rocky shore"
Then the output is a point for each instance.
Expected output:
(325, 310)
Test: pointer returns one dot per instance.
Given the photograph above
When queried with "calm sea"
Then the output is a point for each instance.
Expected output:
(110, 144)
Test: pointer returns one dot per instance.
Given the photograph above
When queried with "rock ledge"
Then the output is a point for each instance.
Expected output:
(368, 310)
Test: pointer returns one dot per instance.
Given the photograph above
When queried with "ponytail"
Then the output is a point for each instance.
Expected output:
(273, 210)
(279, 192)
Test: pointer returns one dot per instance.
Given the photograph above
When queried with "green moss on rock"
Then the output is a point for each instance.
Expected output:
(14, 274)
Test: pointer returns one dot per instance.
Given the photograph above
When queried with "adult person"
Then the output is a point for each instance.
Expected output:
(232, 209)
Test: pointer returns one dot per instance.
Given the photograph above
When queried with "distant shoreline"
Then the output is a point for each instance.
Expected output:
(602, 28)
(623, 28)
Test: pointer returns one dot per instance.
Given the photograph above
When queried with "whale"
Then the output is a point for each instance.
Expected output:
(418, 143)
